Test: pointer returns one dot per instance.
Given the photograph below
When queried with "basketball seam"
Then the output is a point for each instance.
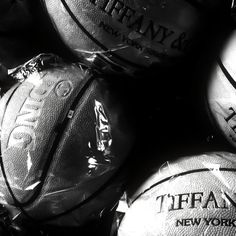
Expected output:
(226, 73)
(48, 162)
(178, 175)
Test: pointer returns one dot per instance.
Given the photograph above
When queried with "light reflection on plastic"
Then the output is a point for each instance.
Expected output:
(29, 162)
(33, 66)
(93, 53)
(215, 169)
(92, 163)
(103, 139)
(35, 79)
(233, 4)
(103, 134)
(92, 58)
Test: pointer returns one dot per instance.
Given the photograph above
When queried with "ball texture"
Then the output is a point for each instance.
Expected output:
(64, 138)
(194, 195)
(127, 35)
(221, 92)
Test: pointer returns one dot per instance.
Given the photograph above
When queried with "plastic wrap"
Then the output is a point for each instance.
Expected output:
(193, 195)
(62, 144)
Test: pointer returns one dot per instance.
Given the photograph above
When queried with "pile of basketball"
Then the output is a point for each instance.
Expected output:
(117, 117)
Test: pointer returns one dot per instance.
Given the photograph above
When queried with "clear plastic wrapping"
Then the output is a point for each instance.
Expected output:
(63, 144)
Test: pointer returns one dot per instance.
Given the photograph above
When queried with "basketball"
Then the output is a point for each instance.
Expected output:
(194, 195)
(127, 36)
(5, 5)
(221, 92)
(64, 139)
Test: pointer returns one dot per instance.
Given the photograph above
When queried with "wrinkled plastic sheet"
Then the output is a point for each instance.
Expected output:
(80, 177)
(194, 195)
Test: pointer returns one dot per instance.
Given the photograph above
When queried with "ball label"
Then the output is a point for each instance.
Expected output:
(23, 134)
(63, 89)
(140, 24)
(193, 200)
(207, 221)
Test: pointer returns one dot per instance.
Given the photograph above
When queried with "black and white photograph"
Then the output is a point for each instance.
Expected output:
(117, 117)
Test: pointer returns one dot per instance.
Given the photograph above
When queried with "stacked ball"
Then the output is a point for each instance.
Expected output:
(66, 136)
